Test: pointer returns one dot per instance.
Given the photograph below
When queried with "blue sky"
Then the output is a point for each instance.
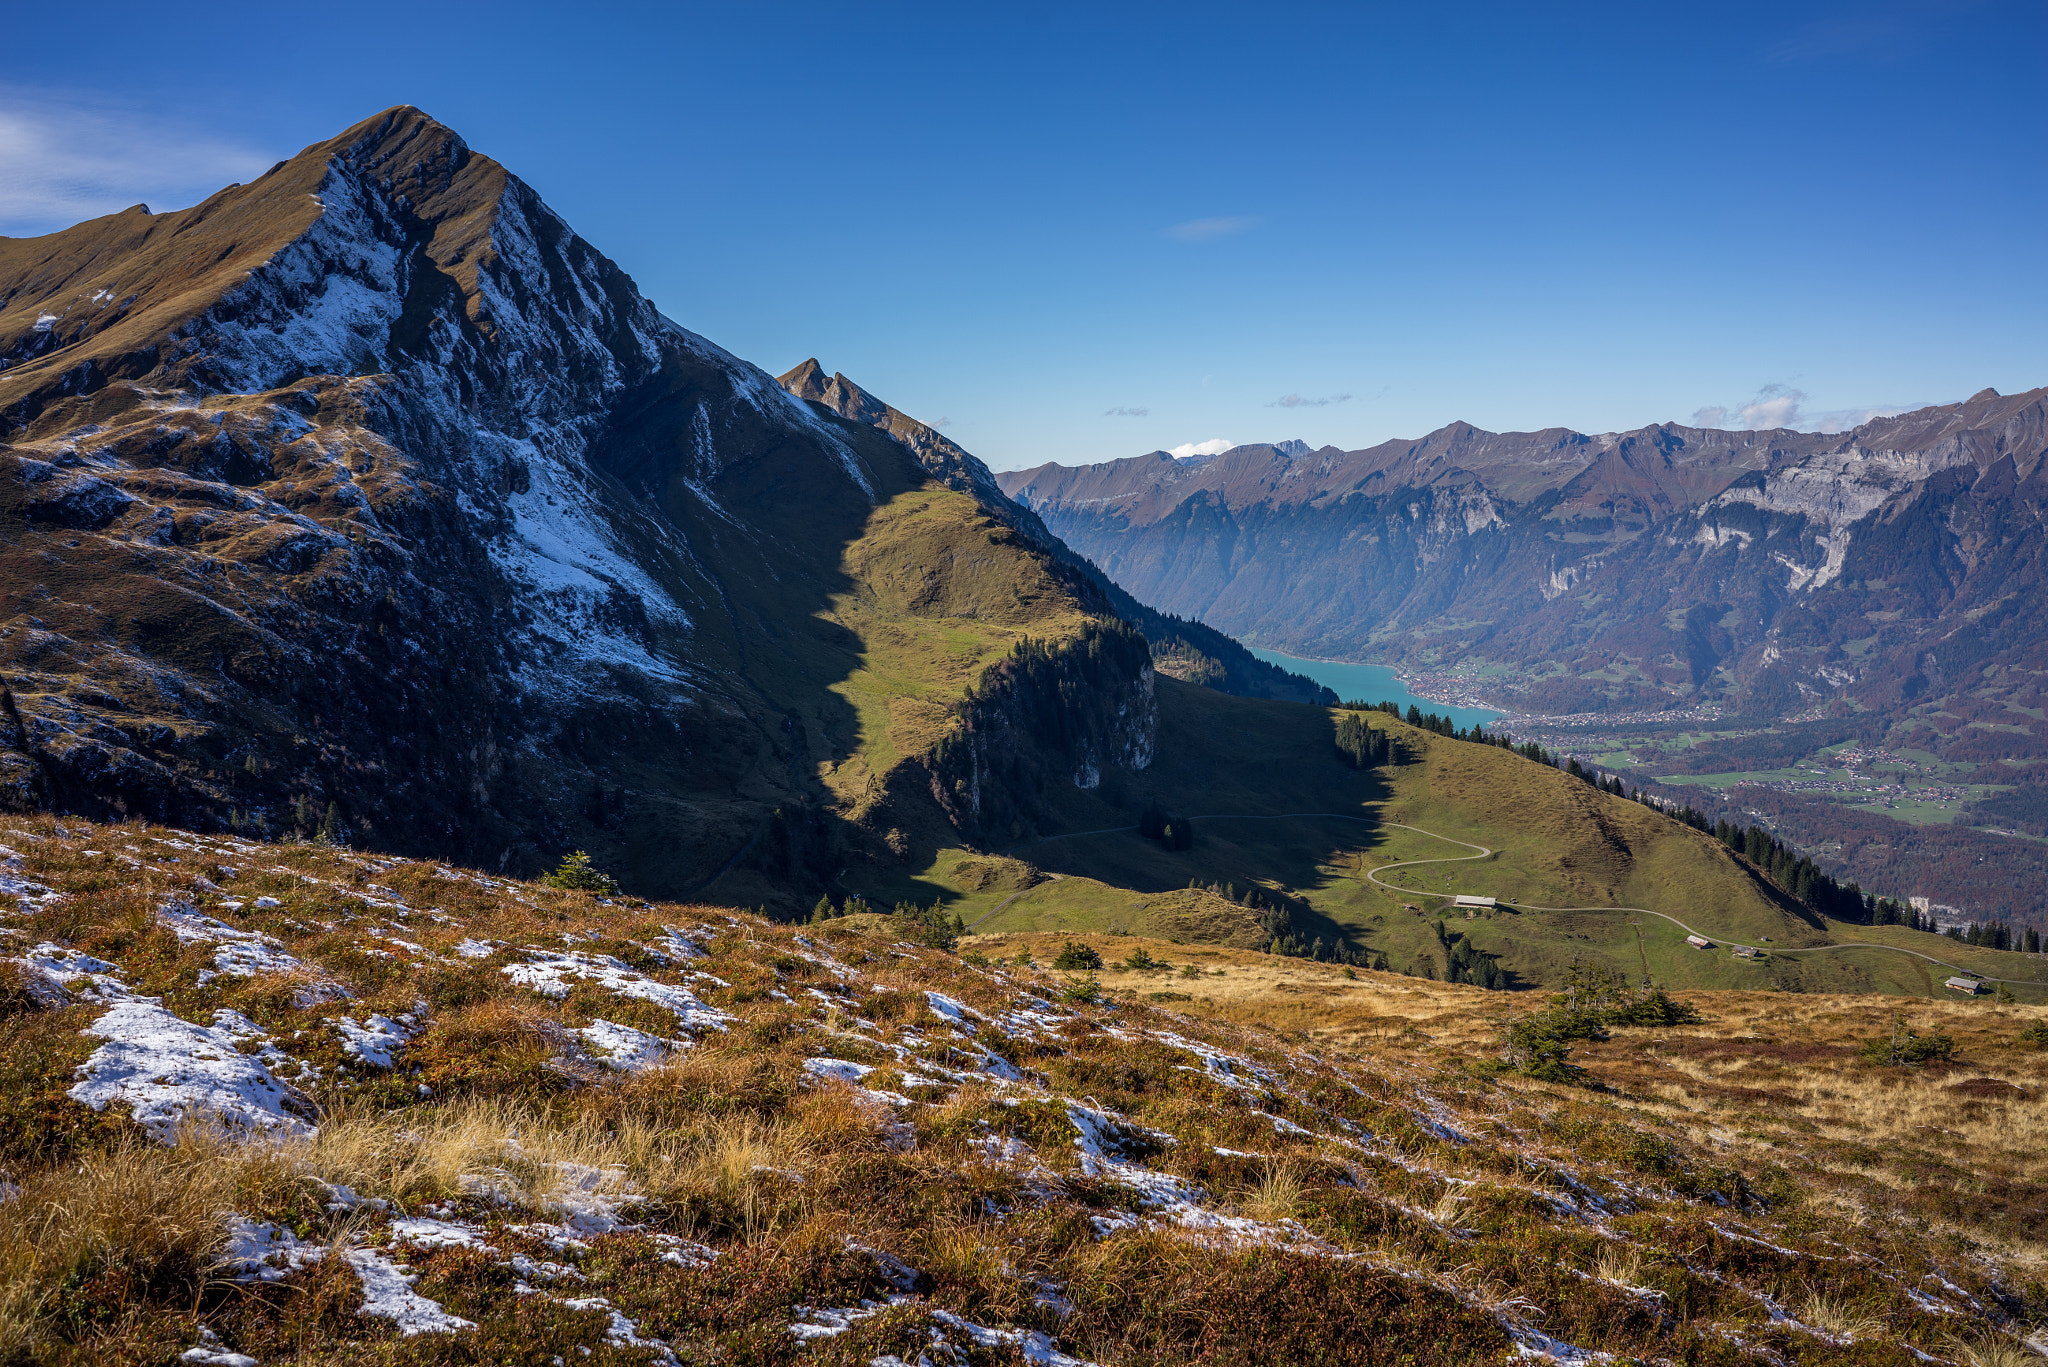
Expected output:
(1081, 232)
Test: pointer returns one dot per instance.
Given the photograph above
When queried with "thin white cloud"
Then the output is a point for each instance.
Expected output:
(1297, 401)
(1215, 446)
(1843, 419)
(1881, 32)
(1781, 406)
(63, 160)
(1126, 412)
(1204, 229)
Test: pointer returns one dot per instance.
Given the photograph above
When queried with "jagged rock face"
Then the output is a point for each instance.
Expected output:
(1776, 570)
(371, 485)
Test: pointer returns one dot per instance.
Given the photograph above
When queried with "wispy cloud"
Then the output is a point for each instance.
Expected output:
(1215, 446)
(1780, 405)
(1126, 412)
(1880, 32)
(63, 159)
(1203, 229)
(1298, 401)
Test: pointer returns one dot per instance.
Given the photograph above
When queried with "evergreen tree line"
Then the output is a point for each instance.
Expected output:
(1430, 722)
(1799, 876)
(1997, 935)
(1054, 685)
(1467, 964)
(932, 926)
(1277, 932)
(1362, 746)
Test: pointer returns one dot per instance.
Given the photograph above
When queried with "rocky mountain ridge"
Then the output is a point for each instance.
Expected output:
(1769, 573)
(369, 498)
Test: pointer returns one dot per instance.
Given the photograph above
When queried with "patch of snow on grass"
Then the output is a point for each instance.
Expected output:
(388, 1295)
(1034, 1347)
(837, 1069)
(627, 1049)
(957, 1014)
(820, 1322)
(430, 1233)
(258, 1251)
(169, 1070)
(376, 1042)
(622, 1332)
(89, 977)
(548, 972)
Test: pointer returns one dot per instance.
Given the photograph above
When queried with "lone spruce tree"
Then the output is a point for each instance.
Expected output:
(576, 874)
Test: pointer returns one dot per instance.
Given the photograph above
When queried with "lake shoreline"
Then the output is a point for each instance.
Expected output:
(1353, 680)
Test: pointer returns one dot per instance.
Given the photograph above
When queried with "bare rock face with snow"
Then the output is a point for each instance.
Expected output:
(370, 487)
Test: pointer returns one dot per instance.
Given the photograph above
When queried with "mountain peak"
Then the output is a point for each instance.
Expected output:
(1981, 395)
(807, 381)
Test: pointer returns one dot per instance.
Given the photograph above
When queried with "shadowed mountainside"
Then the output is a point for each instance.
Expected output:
(367, 497)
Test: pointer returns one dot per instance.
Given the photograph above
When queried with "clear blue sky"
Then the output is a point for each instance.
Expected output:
(1031, 221)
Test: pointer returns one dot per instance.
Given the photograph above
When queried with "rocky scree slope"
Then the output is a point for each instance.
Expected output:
(343, 1108)
(369, 497)
(1773, 573)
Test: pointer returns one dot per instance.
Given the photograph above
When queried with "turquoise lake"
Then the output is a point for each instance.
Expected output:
(1373, 683)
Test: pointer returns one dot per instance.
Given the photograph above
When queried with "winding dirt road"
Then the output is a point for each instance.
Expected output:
(1373, 876)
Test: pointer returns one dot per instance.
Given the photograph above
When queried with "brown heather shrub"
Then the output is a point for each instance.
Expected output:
(1163, 1297)
(500, 1046)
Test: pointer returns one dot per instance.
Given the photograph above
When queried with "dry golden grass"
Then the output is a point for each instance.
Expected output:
(1277, 1194)
(1621, 1264)
(1760, 1120)
(1835, 1315)
(1323, 1002)
(1992, 1350)
(125, 1221)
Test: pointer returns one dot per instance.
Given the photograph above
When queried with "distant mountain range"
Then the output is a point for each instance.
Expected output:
(1888, 578)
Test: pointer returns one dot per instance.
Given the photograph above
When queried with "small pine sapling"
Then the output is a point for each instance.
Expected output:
(1906, 1047)
(576, 874)
(1075, 957)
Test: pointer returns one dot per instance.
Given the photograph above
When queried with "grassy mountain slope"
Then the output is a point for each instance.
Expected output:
(1182, 647)
(1556, 842)
(512, 1124)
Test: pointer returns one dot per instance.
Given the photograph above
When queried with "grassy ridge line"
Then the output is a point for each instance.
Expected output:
(1555, 840)
(1372, 875)
(1805, 949)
